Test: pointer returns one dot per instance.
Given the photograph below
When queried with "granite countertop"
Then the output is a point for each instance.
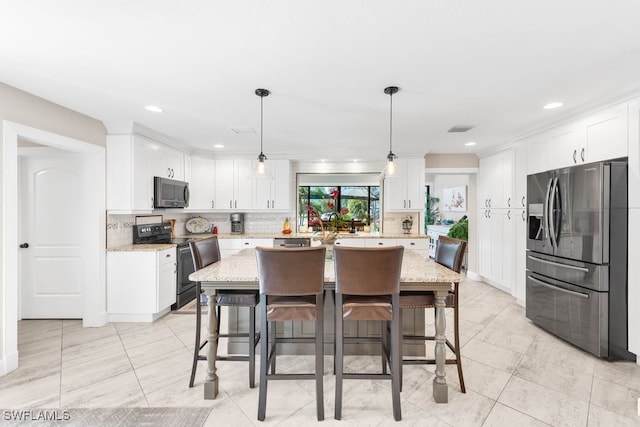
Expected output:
(162, 246)
(242, 268)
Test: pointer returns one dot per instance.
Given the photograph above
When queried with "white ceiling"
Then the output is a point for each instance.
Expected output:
(487, 63)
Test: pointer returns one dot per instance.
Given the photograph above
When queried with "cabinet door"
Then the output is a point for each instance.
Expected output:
(562, 147)
(415, 184)
(520, 253)
(223, 184)
(484, 242)
(243, 196)
(201, 183)
(167, 269)
(507, 244)
(606, 135)
(174, 160)
(507, 179)
(395, 189)
(143, 155)
(281, 185)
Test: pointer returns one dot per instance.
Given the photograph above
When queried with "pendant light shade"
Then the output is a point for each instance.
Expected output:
(261, 157)
(391, 165)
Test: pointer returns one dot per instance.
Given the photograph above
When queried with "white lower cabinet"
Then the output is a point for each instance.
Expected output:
(232, 246)
(141, 285)
(496, 246)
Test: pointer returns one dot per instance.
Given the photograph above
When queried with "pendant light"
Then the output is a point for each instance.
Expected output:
(391, 166)
(261, 157)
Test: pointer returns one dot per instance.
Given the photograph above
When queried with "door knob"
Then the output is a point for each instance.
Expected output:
(24, 246)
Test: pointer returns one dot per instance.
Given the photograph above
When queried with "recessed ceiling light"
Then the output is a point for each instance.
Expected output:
(153, 108)
(552, 105)
(469, 144)
(218, 146)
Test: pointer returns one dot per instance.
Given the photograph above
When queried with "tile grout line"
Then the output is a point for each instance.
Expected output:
(124, 347)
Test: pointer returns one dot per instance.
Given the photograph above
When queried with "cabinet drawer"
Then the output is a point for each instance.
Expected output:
(237, 244)
(373, 243)
(356, 243)
(415, 244)
(167, 256)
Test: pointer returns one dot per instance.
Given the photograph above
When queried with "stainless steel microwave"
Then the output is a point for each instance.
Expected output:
(169, 193)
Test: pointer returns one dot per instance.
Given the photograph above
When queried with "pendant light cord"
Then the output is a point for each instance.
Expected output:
(390, 122)
(261, 120)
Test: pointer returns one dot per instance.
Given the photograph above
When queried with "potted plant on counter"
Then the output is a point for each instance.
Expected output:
(460, 230)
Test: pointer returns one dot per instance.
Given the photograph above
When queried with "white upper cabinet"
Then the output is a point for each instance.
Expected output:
(130, 162)
(169, 163)
(597, 137)
(606, 135)
(201, 183)
(232, 185)
(271, 191)
(404, 191)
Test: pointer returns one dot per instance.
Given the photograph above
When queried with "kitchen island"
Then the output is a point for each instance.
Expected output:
(240, 271)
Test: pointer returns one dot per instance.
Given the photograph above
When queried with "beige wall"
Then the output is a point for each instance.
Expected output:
(451, 161)
(20, 107)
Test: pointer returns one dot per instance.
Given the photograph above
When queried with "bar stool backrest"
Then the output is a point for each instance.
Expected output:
(368, 271)
(450, 253)
(291, 271)
(205, 252)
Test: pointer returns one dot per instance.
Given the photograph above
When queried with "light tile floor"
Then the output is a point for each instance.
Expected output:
(516, 374)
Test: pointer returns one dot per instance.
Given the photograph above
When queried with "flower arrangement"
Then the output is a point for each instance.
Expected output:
(326, 237)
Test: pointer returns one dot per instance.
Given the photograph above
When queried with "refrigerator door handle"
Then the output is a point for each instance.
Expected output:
(547, 210)
(557, 264)
(552, 208)
(555, 288)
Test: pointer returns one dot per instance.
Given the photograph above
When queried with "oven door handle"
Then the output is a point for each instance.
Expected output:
(558, 264)
(555, 288)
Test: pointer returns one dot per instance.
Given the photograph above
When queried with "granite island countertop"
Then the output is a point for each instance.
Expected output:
(241, 268)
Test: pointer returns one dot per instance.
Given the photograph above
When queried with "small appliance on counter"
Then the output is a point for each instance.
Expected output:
(237, 223)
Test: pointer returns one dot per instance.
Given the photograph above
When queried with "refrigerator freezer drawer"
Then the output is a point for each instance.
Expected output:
(592, 276)
(575, 314)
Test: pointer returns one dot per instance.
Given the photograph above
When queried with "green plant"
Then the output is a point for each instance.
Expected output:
(460, 230)
(431, 210)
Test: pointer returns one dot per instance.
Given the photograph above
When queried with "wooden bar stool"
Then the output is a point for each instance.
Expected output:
(368, 288)
(291, 288)
(450, 253)
(205, 252)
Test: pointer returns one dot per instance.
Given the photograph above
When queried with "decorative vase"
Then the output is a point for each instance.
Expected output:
(366, 229)
(328, 244)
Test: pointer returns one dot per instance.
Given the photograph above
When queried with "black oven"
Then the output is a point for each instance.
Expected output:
(186, 289)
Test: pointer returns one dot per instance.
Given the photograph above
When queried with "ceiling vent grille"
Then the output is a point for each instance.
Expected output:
(460, 128)
(243, 130)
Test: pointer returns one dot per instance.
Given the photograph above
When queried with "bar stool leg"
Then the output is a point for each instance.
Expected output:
(338, 357)
(252, 347)
(264, 361)
(196, 348)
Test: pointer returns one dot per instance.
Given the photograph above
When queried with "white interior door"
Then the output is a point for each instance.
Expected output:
(52, 212)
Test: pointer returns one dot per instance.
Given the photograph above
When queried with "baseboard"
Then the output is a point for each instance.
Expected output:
(474, 276)
(9, 363)
(143, 317)
(96, 321)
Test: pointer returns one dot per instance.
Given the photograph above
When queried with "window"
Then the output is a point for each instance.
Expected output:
(338, 207)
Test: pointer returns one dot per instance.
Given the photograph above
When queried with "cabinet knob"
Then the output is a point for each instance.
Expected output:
(168, 255)
(380, 243)
(412, 243)
(24, 246)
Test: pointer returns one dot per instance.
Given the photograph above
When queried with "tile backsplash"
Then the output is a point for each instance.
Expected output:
(119, 227)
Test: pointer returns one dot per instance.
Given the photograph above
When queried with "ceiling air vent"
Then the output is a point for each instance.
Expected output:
(243, 130)
(460, 128)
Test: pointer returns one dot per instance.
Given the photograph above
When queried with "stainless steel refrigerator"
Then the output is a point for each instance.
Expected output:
(577, 256)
